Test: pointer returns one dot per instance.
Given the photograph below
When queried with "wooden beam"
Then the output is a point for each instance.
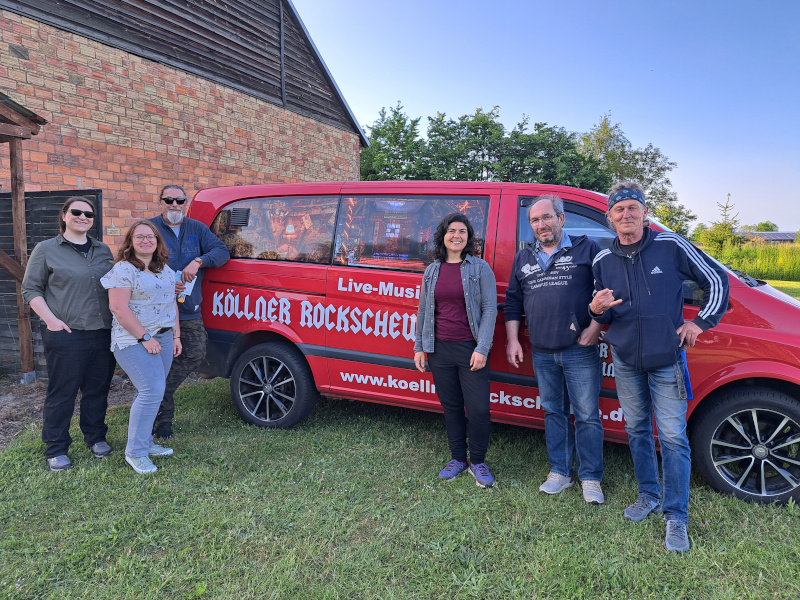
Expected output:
(281, 28)
(21, 251)
(18, 119)
(17, 131)
(12, 266)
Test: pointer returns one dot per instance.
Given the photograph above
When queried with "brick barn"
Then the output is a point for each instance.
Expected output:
(139, 93)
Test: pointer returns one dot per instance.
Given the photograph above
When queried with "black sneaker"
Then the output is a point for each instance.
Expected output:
(101, 449)
(59, 463)
(163, 430)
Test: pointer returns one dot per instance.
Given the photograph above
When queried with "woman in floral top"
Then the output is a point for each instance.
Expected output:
(145, 333)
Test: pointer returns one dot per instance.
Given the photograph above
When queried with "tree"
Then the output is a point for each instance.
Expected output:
(766, 226)
(648, 166)
(467, 149)
(724, 231)
(395, 147)
(549, 155)
(698, 233)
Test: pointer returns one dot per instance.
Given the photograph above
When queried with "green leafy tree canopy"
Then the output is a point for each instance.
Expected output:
(648, 166)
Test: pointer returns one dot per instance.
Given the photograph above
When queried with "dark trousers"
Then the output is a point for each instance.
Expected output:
(458, 389)
(78, 361)
(193, 340)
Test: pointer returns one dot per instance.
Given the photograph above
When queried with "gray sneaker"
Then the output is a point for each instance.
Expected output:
(641, 508)
(59, 463)
(677, 538)
(141, 464)
(156, 450)
(556, 483)
(101, 449)
(592, 492)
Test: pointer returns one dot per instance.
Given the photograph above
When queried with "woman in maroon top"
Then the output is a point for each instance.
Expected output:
(455, 325)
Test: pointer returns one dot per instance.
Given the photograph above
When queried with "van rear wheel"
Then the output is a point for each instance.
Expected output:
(747, 443)
(272, 386)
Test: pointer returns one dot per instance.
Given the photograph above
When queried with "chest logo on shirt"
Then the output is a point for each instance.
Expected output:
(563, 259)
(529, 269)
(656, 271)
(193, 239)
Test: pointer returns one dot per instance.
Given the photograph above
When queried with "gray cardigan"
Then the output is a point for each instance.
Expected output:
(480, 294)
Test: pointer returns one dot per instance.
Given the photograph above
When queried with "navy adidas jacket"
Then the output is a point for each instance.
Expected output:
(643, 328)
(195, 241)
(555, 299)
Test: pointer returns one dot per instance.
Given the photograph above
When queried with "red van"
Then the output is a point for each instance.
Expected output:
(321, 295)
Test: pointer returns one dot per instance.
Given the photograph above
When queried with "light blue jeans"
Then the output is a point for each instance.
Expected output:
(660, 392)
(148, 372)
(572, 377)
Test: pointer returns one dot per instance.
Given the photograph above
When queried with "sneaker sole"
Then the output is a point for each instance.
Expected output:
(559, 490)
(138, 470)
(96, 455)
(478, 483)
(59, 469)
(161, 453)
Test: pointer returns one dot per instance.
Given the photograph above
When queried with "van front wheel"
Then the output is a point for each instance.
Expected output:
(747, 443)
(271, 386)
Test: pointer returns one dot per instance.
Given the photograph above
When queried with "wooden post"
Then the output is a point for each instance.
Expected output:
(21, 251)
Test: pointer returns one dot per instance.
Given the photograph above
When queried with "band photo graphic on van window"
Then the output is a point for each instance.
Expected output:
(393, 232)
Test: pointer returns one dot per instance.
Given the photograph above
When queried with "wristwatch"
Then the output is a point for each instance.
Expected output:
(145, 338)
(200, 260)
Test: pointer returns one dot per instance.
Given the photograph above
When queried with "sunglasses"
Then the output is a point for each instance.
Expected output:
(171, 200)
(77, 213)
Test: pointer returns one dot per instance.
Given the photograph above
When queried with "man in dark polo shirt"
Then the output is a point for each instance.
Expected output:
(192, 249)
(552, 282)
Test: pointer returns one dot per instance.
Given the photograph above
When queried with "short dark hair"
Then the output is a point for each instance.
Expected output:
(62, 226)
(439, 251)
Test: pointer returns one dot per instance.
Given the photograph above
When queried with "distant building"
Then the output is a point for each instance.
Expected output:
(142, 93)
(773, 237)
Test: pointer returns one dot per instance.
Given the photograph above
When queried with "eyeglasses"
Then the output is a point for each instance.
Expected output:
(141, 238)
(77, 213)
(171, 200)
(544, 219)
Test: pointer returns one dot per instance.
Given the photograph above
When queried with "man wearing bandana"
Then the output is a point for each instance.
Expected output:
(639, 294)
(192, 249)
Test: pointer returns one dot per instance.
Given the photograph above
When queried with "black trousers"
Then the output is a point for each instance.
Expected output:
(78, 361)
(458, 389)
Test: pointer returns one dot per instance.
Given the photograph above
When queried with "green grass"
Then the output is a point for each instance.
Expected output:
(347, 505)
(790, 287)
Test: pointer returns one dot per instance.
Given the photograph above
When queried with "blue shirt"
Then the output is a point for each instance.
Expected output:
(543, 258)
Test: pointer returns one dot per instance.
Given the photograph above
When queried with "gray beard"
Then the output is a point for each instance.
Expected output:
(174, 218)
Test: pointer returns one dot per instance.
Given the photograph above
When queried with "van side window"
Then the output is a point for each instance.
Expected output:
(396, 232)
(291, 229)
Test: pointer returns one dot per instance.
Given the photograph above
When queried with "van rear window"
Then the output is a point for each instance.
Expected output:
(290, 229)
(396, 232)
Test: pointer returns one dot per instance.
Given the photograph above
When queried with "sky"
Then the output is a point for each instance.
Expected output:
(714, 84)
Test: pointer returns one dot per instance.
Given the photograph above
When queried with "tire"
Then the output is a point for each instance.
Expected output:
(272, 386)
(747, 443)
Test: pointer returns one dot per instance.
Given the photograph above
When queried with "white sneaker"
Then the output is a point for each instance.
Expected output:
(592, 492)
(156, 450)
(556, 483)
(141, 464)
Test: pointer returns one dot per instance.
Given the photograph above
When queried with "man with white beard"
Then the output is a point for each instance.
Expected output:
(192, 249)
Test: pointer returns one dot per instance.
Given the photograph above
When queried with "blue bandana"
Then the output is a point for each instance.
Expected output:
(625, 194)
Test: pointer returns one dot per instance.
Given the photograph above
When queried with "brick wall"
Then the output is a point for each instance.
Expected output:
(129, 126)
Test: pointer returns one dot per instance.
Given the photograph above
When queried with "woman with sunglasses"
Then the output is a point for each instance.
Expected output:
(62, 285)
(145, 335)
